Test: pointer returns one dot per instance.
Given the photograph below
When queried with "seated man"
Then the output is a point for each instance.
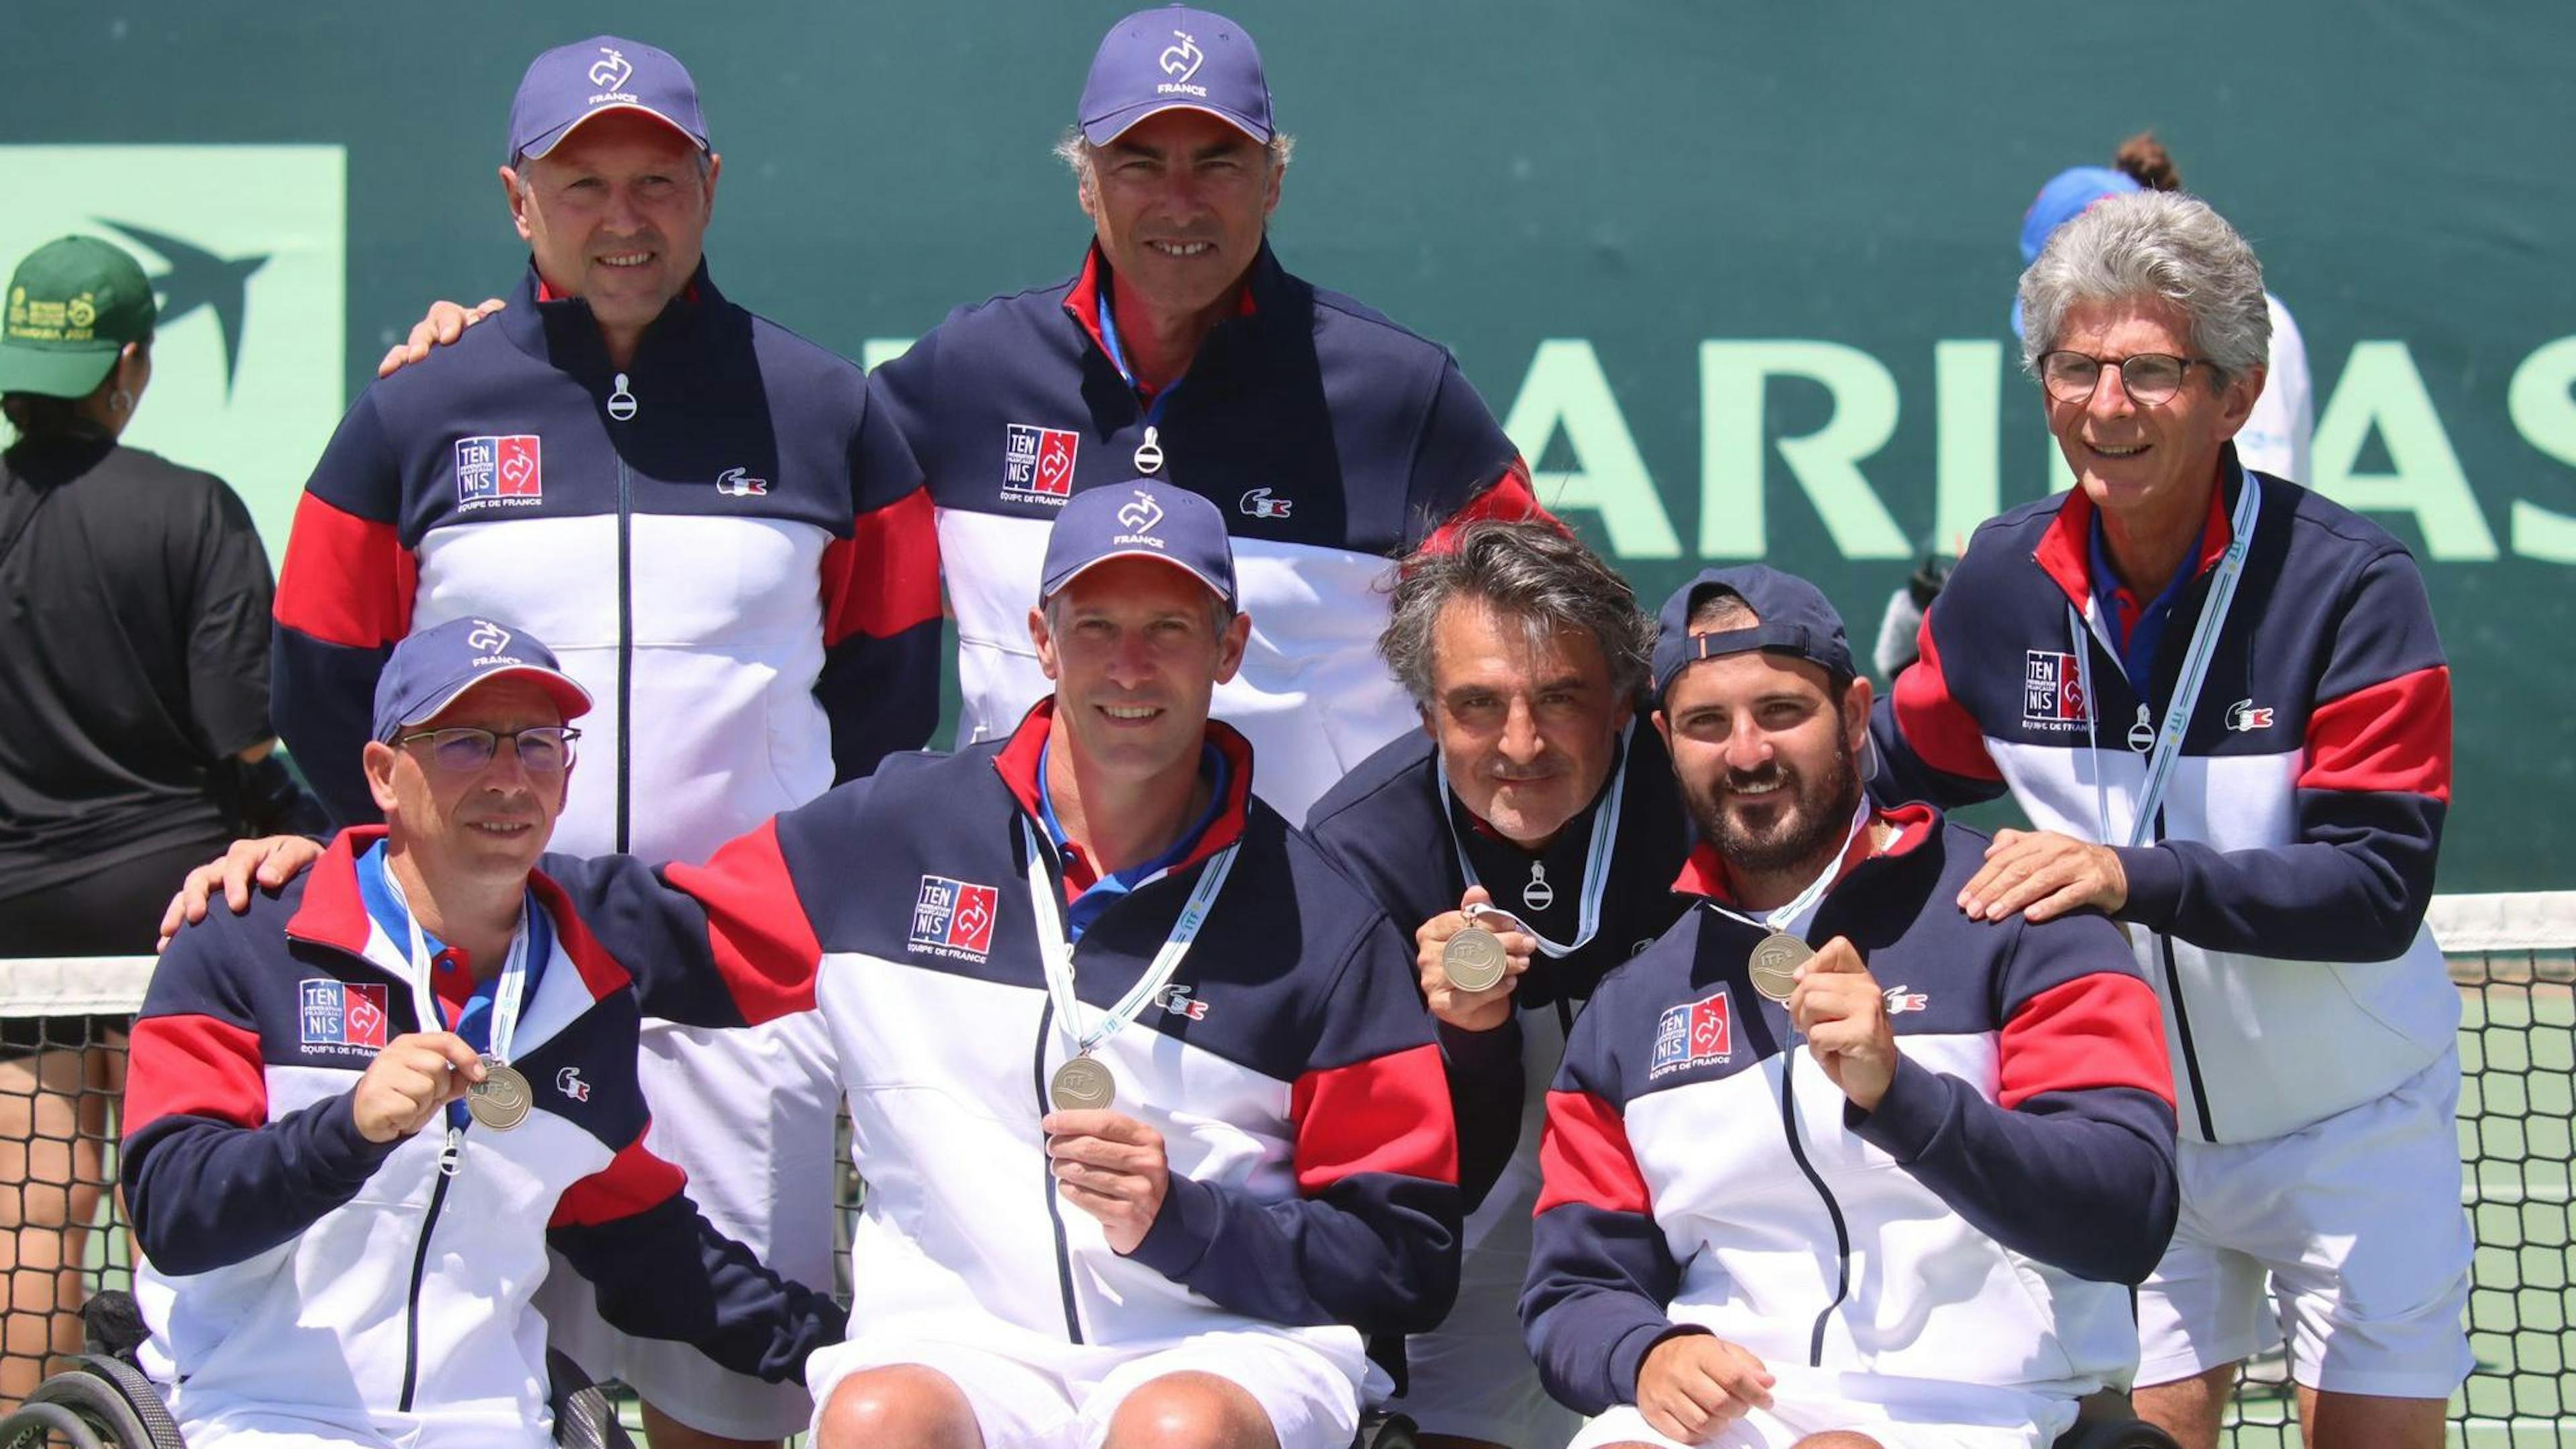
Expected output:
(350, 1111)
(1534, 798)
(1881, 1192)
(1076, 1233)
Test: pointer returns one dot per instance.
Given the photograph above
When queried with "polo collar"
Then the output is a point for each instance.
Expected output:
(2065, 551)
(1705, 873)
(1022, 758)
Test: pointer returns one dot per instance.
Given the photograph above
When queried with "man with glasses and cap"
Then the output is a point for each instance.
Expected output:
(1527, 835)
(357, 1117)
(1830, 1165)
(1153, 1125)
(726, 541)
(2223, 704)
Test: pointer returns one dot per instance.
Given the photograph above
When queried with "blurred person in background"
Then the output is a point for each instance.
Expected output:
(134, 733)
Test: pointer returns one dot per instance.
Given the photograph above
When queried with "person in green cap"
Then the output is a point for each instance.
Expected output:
(133, 732)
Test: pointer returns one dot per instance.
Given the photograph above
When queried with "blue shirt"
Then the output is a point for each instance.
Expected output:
(2139, 637)
(1080, 912)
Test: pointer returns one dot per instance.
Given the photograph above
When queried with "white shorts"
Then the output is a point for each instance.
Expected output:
(1472, 1378)
(1899, 1414)
(257, 1429)
(749, 1116)
(1036, 1393)
(2350, 1231)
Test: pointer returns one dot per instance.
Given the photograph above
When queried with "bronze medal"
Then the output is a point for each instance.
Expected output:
(1775, 963)
(501, 1100)
(1081, 1084)
(1474, 960)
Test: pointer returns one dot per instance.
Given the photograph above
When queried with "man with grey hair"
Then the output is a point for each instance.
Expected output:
(1528, 836)
(2222, 702)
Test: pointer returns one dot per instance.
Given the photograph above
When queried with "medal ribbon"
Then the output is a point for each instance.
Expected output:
(507, 995)
(1055, 951)
(2195, 673)
(1807, 900)
(1596, 855)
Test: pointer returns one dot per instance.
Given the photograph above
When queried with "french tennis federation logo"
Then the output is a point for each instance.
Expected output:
(954, 918)
(1037, 464)
(496, 472)
(2052, 692)
(341, 1013)
(1693, 1034)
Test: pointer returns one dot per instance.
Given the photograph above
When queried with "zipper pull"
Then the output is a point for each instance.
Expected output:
(1149, 454)
(2142, 735)
(621, 403)
(451, 1156)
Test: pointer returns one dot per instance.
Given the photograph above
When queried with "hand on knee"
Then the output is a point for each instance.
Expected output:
(1190, 1411)
(903, 1405)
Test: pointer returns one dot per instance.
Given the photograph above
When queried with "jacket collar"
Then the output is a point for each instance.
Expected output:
(1018, 764)
(1705, 873)
(1260, 293)
(2065, 551)
(560, 330)
(333, 912)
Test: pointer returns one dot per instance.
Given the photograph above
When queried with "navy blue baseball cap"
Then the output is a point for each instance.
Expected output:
(1796, 619)
(1139, 519)
(572, 83)
(1175, 57)
(432, 668)
(2066, 196)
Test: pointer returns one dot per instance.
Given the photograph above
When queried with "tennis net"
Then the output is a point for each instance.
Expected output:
(2513, 957)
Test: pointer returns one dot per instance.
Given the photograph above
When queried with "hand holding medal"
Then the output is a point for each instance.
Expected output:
(1838, 1006)
(1111, 1166)
(1469, 959)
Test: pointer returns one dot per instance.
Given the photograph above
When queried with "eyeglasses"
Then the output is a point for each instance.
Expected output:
(2149, 378)
(462, 750)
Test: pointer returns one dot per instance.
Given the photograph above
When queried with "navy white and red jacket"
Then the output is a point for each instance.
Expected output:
(1288, 1066)
(1398, 832)
(2283, 889)
(1331, 438)
(294, 1270)
(1703, 1173)
(720, 540)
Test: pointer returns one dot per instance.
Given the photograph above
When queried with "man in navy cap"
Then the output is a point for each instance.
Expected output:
(1830, 1165)
(357, 1117)
(724, 539)
(1152, 1122)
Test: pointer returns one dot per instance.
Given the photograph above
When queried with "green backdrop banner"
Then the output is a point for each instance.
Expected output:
(1736, 275)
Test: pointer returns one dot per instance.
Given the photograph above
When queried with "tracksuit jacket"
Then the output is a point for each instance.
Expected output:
(2281, 896)
(1288, 1066)
(297, 1272)
(1391, 826)
(721, 541)
(1702, 1173)
(1330, 438)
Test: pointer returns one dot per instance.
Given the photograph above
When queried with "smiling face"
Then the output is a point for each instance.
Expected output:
(1136, 654)
(2135, 462)
(486, 825)
(616, 214)
(1767, 758)
(1528, 729)
(1180, 202)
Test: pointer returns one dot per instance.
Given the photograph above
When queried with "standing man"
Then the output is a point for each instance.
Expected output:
(2221, 700)
(1330, 438)
(1829, 1166)
(1534, 806)
(358, 1115)
(706, 516)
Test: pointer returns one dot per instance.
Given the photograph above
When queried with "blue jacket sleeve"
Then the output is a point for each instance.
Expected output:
(1371, 1239)
(2073, 1162)
(666, 1272)
(881, 616)
(2374, 787)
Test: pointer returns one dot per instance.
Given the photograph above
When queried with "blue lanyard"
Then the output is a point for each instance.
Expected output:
(1118, 359)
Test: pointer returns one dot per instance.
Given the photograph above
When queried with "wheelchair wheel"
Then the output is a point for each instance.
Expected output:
(36, 1425)
(110, 1398)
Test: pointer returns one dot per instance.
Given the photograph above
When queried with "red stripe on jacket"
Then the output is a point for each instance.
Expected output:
(883, 578)
(2391, 736)
(763, 946)
(1584, 1157)
(194, 1066)
(1934, 723)
(633, 1181)
(1511, 499)
(1385, 1114)
(2102, 1030)
(347, 580)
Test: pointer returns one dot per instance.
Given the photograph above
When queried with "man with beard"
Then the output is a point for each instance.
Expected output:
(1534, 800)
(1878, 1193)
